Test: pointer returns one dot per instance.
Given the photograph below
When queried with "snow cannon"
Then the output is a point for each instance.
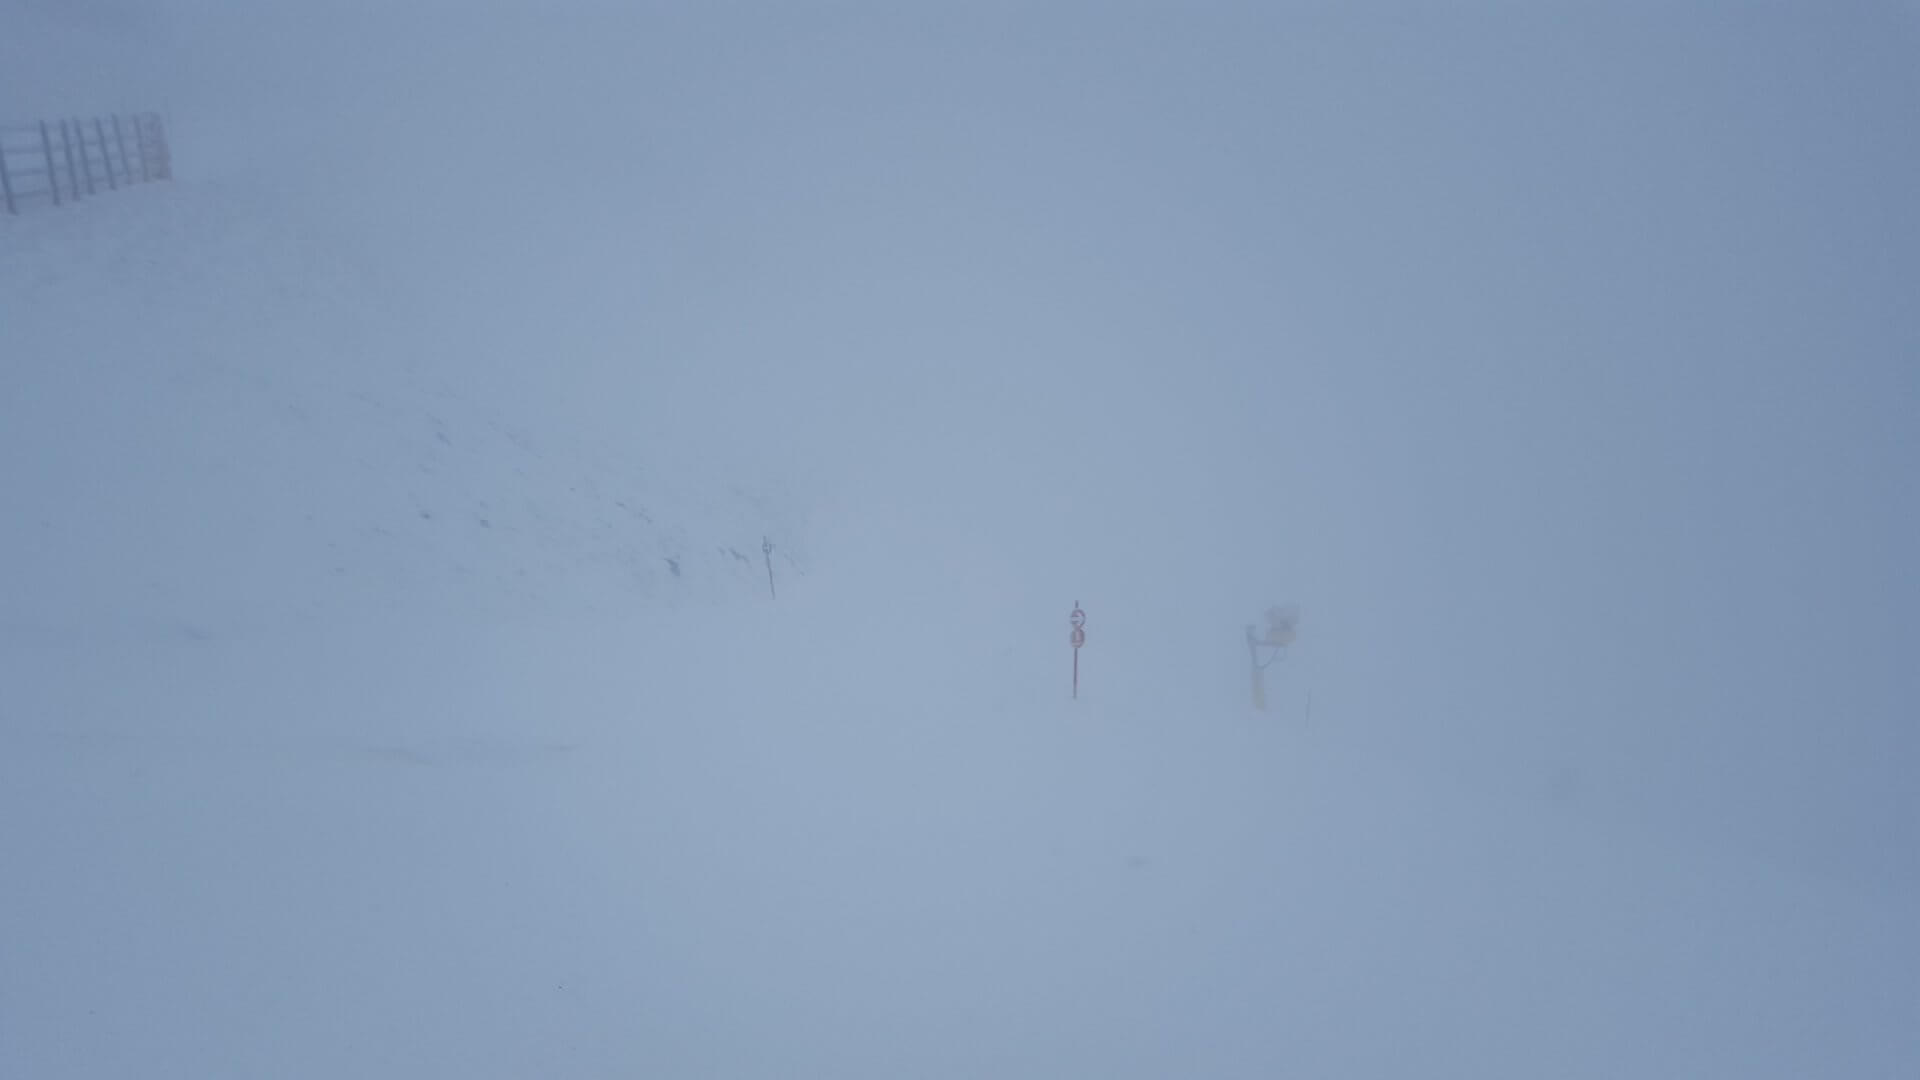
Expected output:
(1283, 628)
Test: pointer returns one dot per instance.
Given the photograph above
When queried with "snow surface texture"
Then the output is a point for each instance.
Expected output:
(389, 684)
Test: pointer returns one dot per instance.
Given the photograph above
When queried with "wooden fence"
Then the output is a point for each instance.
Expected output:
(59, 161)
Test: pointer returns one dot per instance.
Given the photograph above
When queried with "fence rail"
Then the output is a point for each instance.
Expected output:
(66, 160)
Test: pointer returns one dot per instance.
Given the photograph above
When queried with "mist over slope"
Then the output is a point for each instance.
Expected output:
(393, 688)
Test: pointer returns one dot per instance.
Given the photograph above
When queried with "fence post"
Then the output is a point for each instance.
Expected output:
(140, 147)
(86, 163)
(6, 181)
(121, 141)
(73, 171)
(106, 158)
(53, 174)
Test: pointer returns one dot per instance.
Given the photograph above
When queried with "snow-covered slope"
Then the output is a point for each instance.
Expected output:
(390, 685)
(212, 414)
(804, 840)
(350, 728)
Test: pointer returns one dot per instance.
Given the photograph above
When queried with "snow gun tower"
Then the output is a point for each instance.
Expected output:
(1283, 626)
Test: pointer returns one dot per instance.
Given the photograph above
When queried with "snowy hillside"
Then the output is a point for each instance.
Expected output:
(211, 416)
(351, 729)
(391, 685)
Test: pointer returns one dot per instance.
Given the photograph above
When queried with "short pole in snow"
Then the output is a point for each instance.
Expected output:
(66, 148)
(53, 170)
(766, 548)
(1078, 638)
(1282, 627)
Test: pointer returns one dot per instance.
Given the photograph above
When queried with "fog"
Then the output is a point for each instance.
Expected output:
(1559, 360)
